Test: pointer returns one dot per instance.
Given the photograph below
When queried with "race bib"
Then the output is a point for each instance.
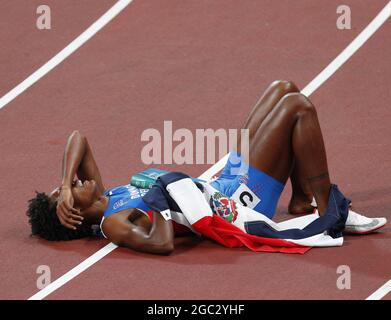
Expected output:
(246, 197)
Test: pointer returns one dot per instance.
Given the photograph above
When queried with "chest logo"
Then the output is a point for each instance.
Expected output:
(118, 204)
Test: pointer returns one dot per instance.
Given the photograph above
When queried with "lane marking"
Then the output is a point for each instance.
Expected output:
(208, 174)
(372, 27)
(74, 272)
(65, 53)
(381, 292)
(308, 90)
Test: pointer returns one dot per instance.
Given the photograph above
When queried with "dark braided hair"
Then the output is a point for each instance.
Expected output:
(45, 223)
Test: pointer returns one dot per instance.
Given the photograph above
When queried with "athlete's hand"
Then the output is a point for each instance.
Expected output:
(67, 214)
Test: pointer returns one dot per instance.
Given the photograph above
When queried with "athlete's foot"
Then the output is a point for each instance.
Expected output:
(300, 206)
(359, 224)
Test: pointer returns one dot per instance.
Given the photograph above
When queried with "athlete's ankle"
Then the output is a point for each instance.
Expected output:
(300, 205)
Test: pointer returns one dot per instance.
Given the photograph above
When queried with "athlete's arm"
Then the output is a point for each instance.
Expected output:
(159, 240)
(78, 158)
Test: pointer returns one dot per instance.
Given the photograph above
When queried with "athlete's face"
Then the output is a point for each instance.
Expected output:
(84, 193)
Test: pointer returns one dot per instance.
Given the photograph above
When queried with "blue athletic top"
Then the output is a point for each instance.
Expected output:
(125, 197)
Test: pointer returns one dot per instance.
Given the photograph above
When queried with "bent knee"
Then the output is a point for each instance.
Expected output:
(286, 86)
(297, 102)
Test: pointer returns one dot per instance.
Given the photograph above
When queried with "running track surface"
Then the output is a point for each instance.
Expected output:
(200, 64)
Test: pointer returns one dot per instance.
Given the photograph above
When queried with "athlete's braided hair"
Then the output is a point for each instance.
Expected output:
(45, 223)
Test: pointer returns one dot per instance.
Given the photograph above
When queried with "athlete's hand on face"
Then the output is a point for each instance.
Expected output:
(67, 214)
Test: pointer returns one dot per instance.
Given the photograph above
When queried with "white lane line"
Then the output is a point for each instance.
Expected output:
(73, 272)
(208, 174)
(65, 53)
(349, 50)
(308, 90)
(381, 292)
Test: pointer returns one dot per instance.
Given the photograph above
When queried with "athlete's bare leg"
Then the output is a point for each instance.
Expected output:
(290, 135)
(301, 198)
(301, 194)
(266, 103)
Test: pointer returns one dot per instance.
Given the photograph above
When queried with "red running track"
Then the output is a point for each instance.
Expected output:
(201, 65)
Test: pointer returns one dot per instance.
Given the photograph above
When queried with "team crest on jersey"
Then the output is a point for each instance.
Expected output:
(224, 207)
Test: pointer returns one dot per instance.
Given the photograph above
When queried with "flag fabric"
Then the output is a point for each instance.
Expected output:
(209, 213)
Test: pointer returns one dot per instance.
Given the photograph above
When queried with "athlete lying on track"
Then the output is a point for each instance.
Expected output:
(285, 141)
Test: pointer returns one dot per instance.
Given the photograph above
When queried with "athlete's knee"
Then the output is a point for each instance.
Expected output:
(296, 102)
(284, 86)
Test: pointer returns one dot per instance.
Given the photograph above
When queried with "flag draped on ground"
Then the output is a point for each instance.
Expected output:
(209, 213)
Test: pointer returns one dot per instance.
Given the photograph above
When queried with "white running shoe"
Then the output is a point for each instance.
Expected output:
(359, 224)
